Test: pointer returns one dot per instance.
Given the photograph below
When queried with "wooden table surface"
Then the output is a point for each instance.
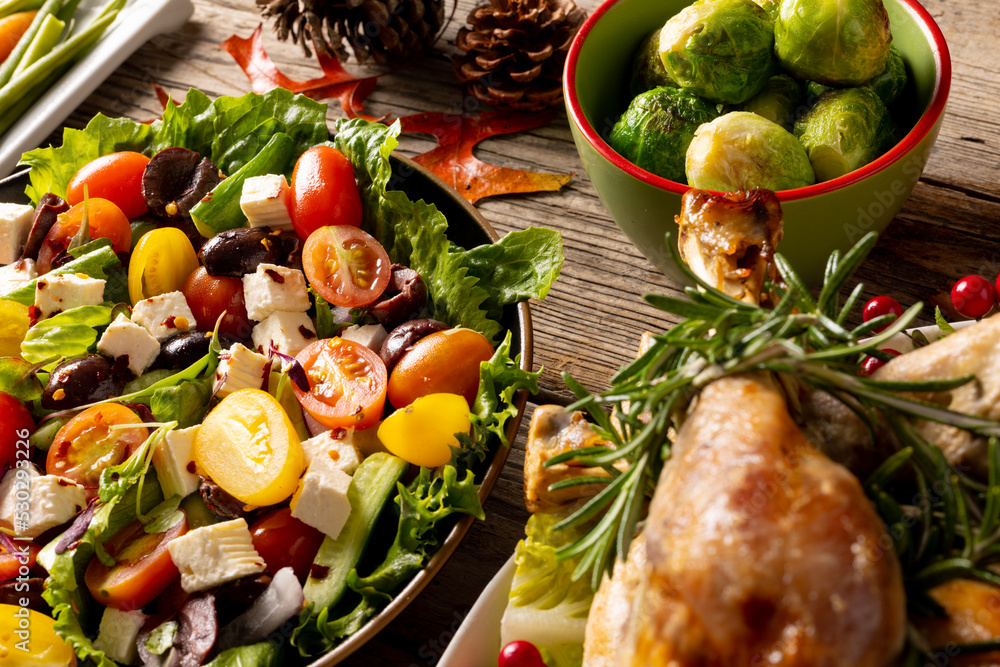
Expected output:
(592, 319)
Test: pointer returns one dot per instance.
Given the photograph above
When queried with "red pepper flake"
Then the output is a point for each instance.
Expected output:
(318, 571)
(35, 313)
(338, 433)
(169, 322)
(191, 467)
(275, 276)
(306, 333)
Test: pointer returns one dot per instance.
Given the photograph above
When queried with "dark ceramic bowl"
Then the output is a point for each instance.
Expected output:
(467, 228)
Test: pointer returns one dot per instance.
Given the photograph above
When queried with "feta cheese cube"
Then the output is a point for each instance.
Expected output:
(272, 288)
(240, 368)
(16, 275)
(287, 332)
(52, 501)
(212, 555)
(15, 223)
(337, 446)
(125, 338)
(174, 462)
(119, 634)
(264, 201)
(370, 335)
(164, 315)
(321, 500)
(54, 294)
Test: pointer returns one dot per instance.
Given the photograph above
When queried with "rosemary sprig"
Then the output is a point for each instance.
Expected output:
(943, 524)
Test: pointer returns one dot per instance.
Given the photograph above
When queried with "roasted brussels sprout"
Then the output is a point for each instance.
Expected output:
(655, 130)
(743, 151)
(846, 129)
(833, 42)
(778, 102)
(769, 6)
(647, 69)
(722, 50)
(890, 83)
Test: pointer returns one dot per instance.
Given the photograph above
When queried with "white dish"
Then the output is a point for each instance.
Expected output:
(477, 642)
(139, 21)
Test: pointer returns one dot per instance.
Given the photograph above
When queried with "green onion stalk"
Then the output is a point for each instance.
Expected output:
(944, 524)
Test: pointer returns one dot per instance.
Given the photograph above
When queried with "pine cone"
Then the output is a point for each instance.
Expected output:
(381, 30)
(516, 50)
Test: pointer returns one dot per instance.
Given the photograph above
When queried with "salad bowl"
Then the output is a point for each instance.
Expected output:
(467, 228)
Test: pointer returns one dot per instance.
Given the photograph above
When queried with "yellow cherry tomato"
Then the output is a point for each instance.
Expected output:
(249, 447)
(28, 639)
(423, 432)
(14, 321)
(161, 262)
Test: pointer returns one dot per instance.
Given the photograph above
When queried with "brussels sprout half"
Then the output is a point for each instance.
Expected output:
(833, 42)
(655, 130)
(845, 130)
(742, 151)
(778, 102)
(722, 50)
(647, 69)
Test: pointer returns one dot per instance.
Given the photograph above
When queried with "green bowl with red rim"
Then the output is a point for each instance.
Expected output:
(818, 219)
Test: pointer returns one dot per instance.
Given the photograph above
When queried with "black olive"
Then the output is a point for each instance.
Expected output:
(403, 337)
(84, 380)
(236, 252)
(176, 179)
(183, 349)
(404, 297)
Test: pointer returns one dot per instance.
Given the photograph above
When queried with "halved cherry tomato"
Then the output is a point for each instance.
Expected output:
(104, 219)
(142, 570)
(284, 541)
(161, 262)
(45, 647)
(10, 565)
(323, 191)
(16, 425)
(346, 265)
(14, 323)
(423, 432)
(208, 296)
(346, 383)
(12, 29)
(446, 362)
(87, 444)
(117, 177)
(248, 446)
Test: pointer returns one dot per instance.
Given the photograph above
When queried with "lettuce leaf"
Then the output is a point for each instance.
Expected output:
(229, 130)
(98, 263)
(70, 333)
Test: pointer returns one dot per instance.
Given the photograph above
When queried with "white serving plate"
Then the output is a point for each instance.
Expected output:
(138, 21)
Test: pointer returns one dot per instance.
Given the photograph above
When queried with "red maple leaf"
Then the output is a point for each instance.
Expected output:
(337, 82)
(454, 163)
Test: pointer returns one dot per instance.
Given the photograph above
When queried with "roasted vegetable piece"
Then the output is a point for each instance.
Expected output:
(744, 151)
(834, 42)
(722, 50)
(845, 130)
(769, 6)
(778, 102)
(648, 71)
(655, 130)
(890, 83)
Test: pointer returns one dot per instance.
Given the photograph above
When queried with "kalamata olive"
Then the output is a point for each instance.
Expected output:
(187, 347)
(404, 336)
(236, 252)
(84, 380)
(402, 299)
(48, 209)
(176, 179)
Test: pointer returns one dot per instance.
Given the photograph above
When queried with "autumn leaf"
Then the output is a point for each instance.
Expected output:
(454, 163)
(336, 82)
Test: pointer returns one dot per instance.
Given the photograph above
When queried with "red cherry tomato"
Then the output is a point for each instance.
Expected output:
(347, 266)
(446, 362)
(117, 177)
(16, 425)
(143, 568)
(87, 444)
(10, 564)
(346, 383)
(871, 364)
(104, 219)
(520, 654)
(881, 305)
(284, 541)
(973, 296)
(323, 191)
(208, 296)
